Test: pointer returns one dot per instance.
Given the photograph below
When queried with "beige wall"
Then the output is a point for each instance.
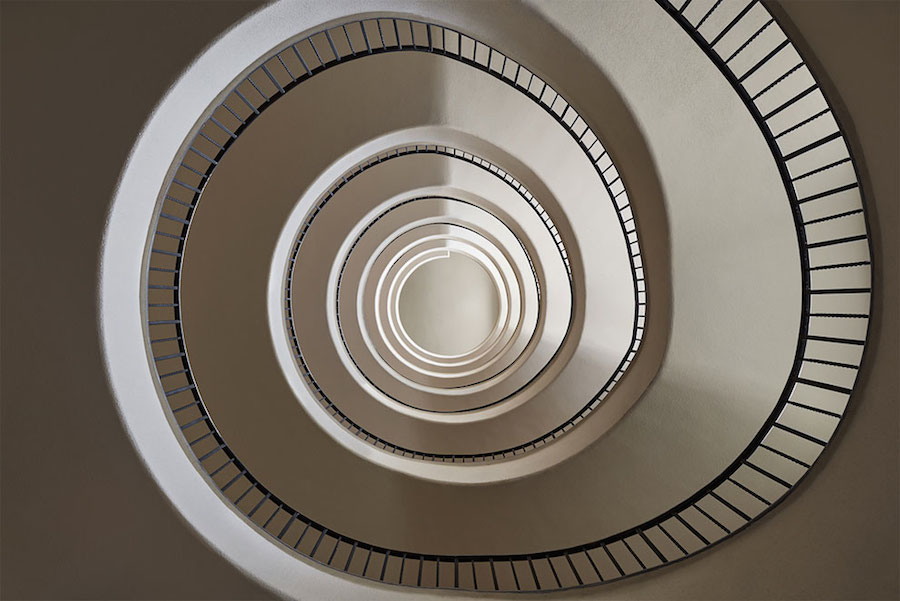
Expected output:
(80, 517)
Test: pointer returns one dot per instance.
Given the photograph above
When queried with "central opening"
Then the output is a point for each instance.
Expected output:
(449, 304)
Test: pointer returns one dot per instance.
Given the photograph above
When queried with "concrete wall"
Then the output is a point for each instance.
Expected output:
(68, 469)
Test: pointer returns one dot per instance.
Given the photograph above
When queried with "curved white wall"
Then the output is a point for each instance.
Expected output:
(684, 576)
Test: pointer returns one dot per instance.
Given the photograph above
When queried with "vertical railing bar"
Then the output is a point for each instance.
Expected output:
(349, 41)
(337, 543)
(534, 575)
(387, 556)
(272, 77)
(287, 525)
(362, 27)
(286, 68)
(300, 58)
(334, 51)
(692, 529)
(256, 87)
(707, 15)
(258, 505)
(316, 51)
(613, 560)
(350, 557)
(749, 41)
(672, 538)
(733, 22)
(574, 570)
(633, 554)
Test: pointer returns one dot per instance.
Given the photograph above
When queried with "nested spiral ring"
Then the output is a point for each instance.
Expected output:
(442, 226)
(803, 415)
(519, 254)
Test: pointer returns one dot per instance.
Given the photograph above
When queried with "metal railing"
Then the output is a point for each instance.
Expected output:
(745, 43)
(329, 404)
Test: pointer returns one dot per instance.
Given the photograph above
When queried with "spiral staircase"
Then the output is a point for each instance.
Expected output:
(412, 299)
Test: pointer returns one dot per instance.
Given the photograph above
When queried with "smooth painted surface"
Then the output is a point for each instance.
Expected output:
(718, 382)
(822, 543)
(449, 305)
(262, 162)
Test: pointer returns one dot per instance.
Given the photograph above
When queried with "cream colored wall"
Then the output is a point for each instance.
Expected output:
(68, 470)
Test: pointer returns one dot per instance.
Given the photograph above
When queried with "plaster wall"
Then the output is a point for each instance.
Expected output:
(68, 469)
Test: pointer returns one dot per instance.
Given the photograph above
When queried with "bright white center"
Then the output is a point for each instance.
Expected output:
(449, 305)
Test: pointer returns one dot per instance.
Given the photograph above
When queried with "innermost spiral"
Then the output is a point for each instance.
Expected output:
(449, 304)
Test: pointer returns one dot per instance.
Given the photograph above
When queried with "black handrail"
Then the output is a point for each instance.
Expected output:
(751, 486)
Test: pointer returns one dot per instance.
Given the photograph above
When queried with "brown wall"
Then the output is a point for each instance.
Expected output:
(80, 518)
